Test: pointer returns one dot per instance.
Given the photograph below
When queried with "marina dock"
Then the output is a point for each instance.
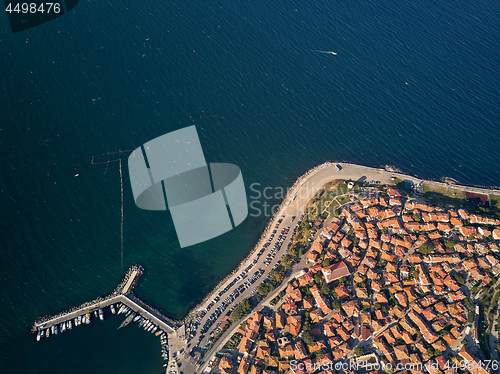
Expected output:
(122, 294)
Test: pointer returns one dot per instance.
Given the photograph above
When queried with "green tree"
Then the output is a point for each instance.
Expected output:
(287, 262)
(307, 337)
(325, 263)
(336, 304)
(416, 218)
(459, 279)
(317, 279)
(240, 310)
(325, 289)
(278, 274)
(426, 248)
(449, 243)
(358, 351)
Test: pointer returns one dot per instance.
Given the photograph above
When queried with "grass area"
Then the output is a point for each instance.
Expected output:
(482, 335)
(277, 299)
(233, 342)
(327, 193)
(450, 192)
(495, 201)
(440, 199)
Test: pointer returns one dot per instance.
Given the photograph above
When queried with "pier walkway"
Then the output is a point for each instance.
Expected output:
(122, 294)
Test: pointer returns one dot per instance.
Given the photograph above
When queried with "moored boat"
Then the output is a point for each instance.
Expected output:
(127, 320)
(101, 315)
(47, 333)
(112, 307)
(87, 318)
(38, 336)
(70, 325)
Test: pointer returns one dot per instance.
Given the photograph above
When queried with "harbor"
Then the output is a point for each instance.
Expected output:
(120, 301)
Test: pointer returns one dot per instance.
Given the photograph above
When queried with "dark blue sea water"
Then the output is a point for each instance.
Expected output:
(414, 83)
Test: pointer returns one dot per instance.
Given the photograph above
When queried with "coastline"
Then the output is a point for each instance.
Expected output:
(262, 239)
(284, 205)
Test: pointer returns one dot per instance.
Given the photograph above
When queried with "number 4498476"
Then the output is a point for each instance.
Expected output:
(33, 8)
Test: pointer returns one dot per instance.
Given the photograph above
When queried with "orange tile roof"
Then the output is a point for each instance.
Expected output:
(335, 271)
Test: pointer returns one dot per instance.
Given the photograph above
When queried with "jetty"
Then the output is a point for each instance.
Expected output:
(121, 294)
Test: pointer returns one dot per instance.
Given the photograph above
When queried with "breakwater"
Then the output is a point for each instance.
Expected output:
(121, 294)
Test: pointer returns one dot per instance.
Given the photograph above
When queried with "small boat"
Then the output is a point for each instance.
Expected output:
(77, 175)
(127, 321)
(87, 318)
(137, 318)
(112, 307)
(38, 336)
(122, 308)
(101, 315)
(70, 325)
(95, 313)
(157, 333)
(154, 330)
(128, 312)
(79, 320)
(52, 330)
(55, 330)
(76, 321)
(62, 326)
(47, 333)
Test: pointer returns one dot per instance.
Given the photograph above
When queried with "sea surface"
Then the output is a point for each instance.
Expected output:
(414, 84)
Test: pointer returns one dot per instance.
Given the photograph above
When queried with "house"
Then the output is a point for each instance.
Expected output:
(321, 300)
(335, 271)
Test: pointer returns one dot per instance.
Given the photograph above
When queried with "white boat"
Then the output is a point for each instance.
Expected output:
(38, 336)
(137, 317)
(112, 307)
(101, 315)
(70, 325)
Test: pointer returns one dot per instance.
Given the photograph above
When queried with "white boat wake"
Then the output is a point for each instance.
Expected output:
(327, 52)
